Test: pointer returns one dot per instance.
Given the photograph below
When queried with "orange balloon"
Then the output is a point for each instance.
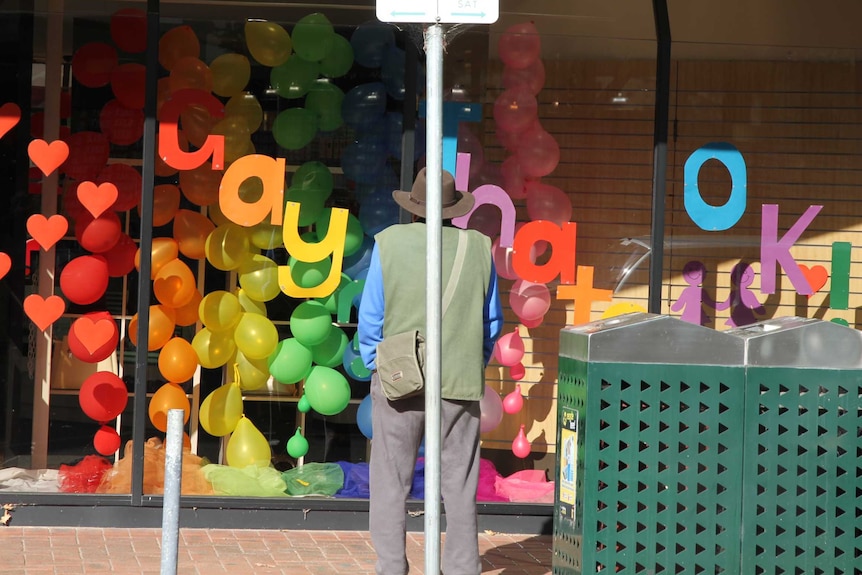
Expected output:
(192, 73)
(188, 314)
(166, 202)
(196, 122)
(167, 397)
(201, 185)
(161, 328)
(178, 360)
(164, 250)
(178, 43)
(174, 285)
(190, 231)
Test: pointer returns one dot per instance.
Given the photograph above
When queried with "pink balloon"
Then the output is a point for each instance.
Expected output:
(515, 109)
(517, 371)
(514, 401)
(469, 143)
(509, 349)
(530, 324)
(513, 178)
(503, 261)
(538, 154)
(520, 45)
(547, 202)
(529, 300)
(520, 446)
(486, 219)
(509, 140)
(491, 407)
(532, 77)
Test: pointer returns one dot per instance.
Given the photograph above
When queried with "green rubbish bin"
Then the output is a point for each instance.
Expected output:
(649, 448)
(802, 484)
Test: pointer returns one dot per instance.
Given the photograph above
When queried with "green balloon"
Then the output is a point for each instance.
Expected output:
(309, 274)
(303, 405)
(324, 99)
(294, 78)
(339, 60)
(294, 128)
(355, 233)
(311, 203)
(330, 351)
(331, 301)
(313, 175)
(327, 390)
(312, 37)
(297, 446)
(310, 323)
(290, 362)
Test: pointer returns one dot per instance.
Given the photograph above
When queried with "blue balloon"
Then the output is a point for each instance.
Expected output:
(363, 162)
(377, 215)
(363, 416)
(392, 71)
(394, 135)
(364, 106)
(369, 42)
(352, 363)
(360, 259)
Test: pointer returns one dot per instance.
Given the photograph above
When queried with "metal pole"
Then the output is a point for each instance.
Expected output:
(173, 487)
(659, 177)
(433, 350)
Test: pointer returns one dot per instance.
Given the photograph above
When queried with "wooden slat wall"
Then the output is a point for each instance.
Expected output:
(798, 126)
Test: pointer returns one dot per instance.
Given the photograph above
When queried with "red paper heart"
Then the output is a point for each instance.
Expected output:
(5, 264)
(44, 312)
(816, 276)
(47, 231)
(97, 198)
(10, 115)
(48, 157)
(94, 334)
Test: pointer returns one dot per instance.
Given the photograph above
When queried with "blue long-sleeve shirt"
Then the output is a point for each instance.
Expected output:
(372, 305)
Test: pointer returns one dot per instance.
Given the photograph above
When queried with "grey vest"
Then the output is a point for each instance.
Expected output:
(402, 259)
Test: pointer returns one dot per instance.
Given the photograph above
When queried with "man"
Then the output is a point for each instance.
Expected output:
(393, 302)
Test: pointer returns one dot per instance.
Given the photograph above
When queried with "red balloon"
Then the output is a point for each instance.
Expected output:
(128, 83)
(129, 30)
(72, 206)
(514, 401)
(93, 63)
(121, 257)
(88, 154)
(128, 182)
(84, 279)
(539, 153)
(103, 396)
(98, 235)
(121, 125)
(106, 441)
(89, 329)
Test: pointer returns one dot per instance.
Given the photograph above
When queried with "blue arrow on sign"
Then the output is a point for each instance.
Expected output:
(408, 13)
(468, 14)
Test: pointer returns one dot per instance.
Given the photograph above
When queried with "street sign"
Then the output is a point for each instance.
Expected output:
(447, 11)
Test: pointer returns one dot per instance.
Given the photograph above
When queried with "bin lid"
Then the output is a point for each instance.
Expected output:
(650, 338)
(800, 342)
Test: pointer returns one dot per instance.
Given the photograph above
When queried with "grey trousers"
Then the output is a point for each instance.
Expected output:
(397, 431)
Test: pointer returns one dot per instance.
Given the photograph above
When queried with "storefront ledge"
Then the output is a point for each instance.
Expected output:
(305, 513)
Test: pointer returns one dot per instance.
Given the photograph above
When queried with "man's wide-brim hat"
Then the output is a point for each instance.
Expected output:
(455, 203)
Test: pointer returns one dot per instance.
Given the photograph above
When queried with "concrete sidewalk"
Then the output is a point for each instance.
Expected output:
(122, 551)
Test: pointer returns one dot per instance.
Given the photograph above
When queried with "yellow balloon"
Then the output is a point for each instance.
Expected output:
(216, 216)
(161, 327)
(231, 73)
(249, 305)
(221, 410)
(191, 230)
(174, 285)
(245, 106)
(163, 251)
(268, 43)
(227, 247)
(236, 137)
(253, 373)
(219, 310)
(258, 276)
(247, 446)
(266, 236)
(255, 336)
(167, 397)
(214, 348)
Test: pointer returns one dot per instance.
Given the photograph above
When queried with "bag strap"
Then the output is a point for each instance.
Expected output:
(460, 253)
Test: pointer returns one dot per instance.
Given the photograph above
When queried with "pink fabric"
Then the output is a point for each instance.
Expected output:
(527, 486)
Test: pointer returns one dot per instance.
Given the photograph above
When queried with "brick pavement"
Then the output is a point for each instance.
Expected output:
(122, 551)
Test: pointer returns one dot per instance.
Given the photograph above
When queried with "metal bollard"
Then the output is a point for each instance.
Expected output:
(173, 484)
